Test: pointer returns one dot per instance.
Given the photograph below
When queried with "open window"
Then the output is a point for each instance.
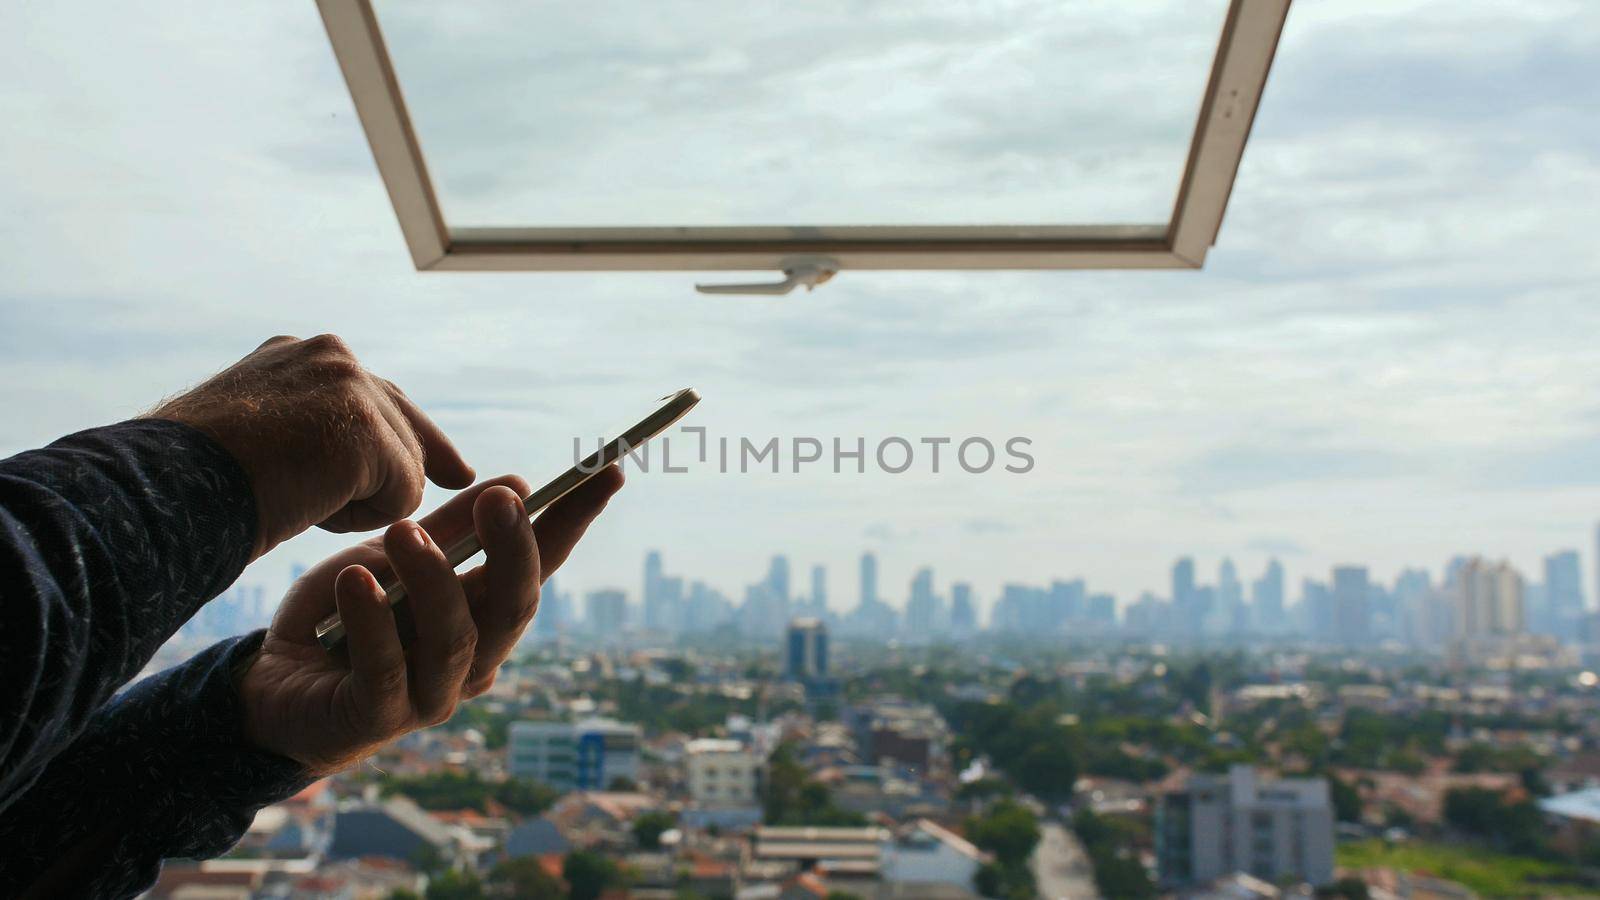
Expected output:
(693, 135)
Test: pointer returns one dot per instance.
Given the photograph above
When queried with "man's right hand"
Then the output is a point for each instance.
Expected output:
(323, 441)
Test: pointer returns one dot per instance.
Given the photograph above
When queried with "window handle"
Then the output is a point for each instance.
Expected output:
(807, 272)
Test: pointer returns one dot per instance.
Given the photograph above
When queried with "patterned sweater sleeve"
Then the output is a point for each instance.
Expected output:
(109, 540)
(162, 771)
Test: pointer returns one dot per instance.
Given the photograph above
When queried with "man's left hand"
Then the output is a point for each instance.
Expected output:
(328, 710)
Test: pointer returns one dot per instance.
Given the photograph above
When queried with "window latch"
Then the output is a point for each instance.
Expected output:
(807, 271)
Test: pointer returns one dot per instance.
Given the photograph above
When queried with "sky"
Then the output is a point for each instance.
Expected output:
(1389, 358)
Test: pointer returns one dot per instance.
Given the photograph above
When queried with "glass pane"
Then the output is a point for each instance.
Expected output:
(841, 112)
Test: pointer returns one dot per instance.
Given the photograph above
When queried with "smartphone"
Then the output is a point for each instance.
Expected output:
(330, 631)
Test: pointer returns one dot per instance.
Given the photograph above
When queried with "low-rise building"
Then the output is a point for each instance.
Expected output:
(722, 774)
(586, 755)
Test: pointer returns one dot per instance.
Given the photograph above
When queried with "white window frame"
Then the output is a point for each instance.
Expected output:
(1238, 75)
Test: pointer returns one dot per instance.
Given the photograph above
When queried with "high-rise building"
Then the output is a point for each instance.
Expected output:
(1266, 598)
(872, 617)
(605, 612)
(1149, 616)
(819, 591)
(1184, 602)
(869, 579)
(1021, 609)
(663, 596)
(963, 614)
(1274, 829)
(1564, 605)
(586, 756)
(1423, 622)
(1100, 609)
(1316, 605)
(806, 650)
(1352, 616)
(924, 613)
(554, 615)
(778, 580)
(1228, 617)
(1488, 598)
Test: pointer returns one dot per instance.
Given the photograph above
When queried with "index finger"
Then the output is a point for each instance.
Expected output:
(441, 461)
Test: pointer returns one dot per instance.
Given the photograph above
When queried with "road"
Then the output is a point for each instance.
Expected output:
(1060, 867)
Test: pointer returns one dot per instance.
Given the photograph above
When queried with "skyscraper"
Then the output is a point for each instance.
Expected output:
(1316, 604)
(963, 615)
(806, 650)
(1352, 616)
(656, 612)
(819, 591)
(1266, 597)
(778, 580)
(1229, 615)
(869, 579)
(1185, 602)
(923, 613)
(1489, 599)
(605, 612)
(1563, 582)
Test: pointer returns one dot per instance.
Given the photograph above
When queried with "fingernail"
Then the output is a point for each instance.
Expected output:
(419, 538)
(509, 515)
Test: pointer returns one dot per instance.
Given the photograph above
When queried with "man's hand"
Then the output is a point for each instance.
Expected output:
(323, 441)
(330, 710)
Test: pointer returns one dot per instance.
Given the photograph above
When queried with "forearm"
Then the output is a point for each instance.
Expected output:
(109, 540)
(161, 772)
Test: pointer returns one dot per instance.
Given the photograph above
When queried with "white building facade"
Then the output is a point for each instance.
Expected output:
(1270, 828)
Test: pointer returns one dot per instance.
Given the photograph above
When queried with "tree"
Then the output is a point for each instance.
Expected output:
(453, 884)
(1047, 769)
(792, 798)
(1010, 831)
(524, 878)
(1344, 889)
(648, 828)
(622, 783)
(1346, 799)
(588, 874)
(528, 798)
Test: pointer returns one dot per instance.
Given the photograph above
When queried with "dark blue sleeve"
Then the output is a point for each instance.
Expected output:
(162, 771)
(109, 540)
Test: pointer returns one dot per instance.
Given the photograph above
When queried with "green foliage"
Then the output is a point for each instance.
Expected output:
(648, 828)
(589, 874)
(528, 798)
(1346, 799)
(1111, 844)
(523, 878)
(1371, 740)
(792, 798)
(467, 790)
(1486, 872)
(1516, 827)
(995, 879)
(678, 707)
(1480, 757)
(1009, 830)
(453, 884)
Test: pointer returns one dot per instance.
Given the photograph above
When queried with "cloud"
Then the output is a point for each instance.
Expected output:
(1394, 330)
